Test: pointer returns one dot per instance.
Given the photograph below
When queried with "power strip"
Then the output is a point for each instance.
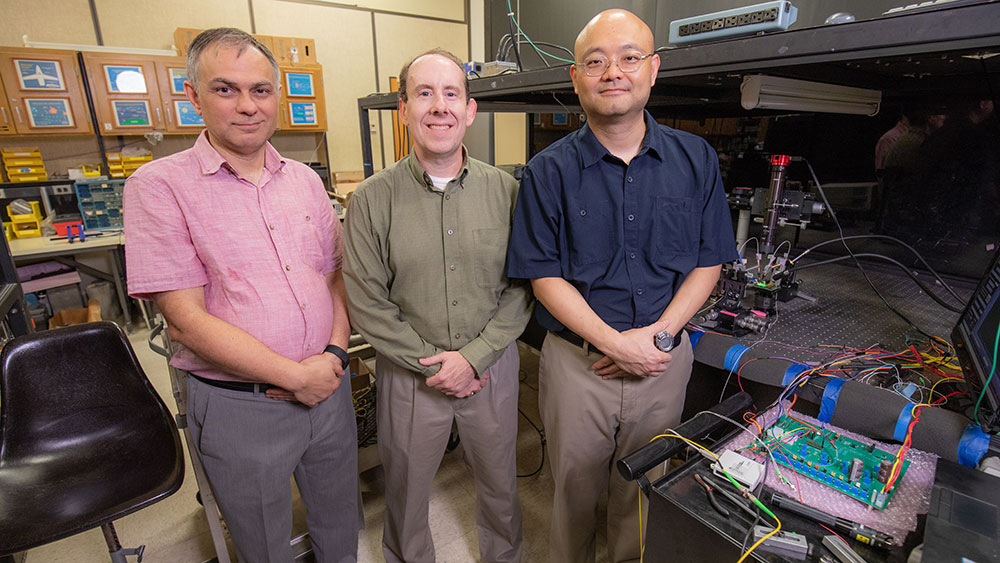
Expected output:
(769, 16)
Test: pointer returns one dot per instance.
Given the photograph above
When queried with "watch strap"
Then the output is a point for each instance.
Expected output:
(339, 352)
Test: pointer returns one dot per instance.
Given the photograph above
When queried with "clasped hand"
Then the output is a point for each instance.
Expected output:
(320, 378)
(457, 377)
(633, 353)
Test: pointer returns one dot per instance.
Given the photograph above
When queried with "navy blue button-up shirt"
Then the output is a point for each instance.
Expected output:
(625, 236)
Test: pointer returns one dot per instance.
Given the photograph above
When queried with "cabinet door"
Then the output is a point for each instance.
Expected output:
(125, 91)
(178, 113)
(43, 91)
(303, 106)
(6, 117)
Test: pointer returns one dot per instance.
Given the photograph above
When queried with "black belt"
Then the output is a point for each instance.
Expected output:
(234, 385)
(577, 340)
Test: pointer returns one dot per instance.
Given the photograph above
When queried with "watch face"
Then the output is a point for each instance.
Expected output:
(664, 341)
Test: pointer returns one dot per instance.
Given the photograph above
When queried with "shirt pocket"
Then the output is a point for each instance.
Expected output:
(308, 244)
(677, 227)
(490, 254)
(590, 234)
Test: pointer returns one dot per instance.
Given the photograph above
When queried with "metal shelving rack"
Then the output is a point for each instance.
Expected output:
(905, 55)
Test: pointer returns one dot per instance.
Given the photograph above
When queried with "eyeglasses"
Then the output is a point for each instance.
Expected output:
(597, 64)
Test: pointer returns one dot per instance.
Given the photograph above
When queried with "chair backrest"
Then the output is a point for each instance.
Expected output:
(76, 400)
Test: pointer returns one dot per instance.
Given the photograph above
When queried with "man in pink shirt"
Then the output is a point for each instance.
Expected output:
(240, 250)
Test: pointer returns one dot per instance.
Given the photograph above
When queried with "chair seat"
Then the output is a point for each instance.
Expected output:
(85, 439)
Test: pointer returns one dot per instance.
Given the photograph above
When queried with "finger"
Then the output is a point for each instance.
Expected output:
(602, 363)
(431, 360)
(616, 374)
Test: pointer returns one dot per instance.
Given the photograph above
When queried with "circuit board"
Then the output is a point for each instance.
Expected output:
(841, 463)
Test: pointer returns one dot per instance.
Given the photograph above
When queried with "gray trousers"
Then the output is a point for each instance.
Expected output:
(414, 422)
(590, 424)
(251, 446)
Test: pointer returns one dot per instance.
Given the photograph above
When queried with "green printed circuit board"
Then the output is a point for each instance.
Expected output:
(857, 470)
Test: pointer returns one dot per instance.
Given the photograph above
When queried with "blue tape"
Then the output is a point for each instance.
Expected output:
(695, 337)
(792, 372)
(829, 403)
(733, 357)
(973, 445)
(903, 422)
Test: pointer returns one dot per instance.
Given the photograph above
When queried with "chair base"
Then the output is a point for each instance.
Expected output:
(115, 550)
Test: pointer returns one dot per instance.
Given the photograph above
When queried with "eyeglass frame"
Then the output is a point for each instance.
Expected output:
(616, 61)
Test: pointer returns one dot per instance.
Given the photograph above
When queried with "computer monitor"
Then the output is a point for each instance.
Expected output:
(974, 337)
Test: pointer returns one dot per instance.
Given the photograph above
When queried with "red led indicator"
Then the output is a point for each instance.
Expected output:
(780, 160)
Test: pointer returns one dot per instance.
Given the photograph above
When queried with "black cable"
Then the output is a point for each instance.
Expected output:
(896, 240)
(543, 43)
(500, 46)
(517, 51)
(840, 229)
(541, 436)
(900, 265)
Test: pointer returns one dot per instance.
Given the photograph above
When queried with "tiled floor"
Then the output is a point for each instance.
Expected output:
(175, 530)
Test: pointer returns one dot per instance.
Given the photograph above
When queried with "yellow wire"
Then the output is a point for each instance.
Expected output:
(939, 381)
(761, 540)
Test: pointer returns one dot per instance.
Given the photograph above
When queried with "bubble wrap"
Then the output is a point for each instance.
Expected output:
(912, 496)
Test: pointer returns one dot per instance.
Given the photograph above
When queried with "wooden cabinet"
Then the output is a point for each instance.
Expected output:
(6, 116)
(178, 112)
(43, 92)
(303, 106)
(125, 92)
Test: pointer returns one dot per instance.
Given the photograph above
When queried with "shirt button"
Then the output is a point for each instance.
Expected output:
(454, 302)
(638, 291)
(447, 197)
(287, 267)
(631, 255)
(629, 179)
(583, 212)
(303, 306)
(308, 346)
(457, 335)
(631, 217)
(451, 267)
(270, 227)
(307, 217)
(451, 232)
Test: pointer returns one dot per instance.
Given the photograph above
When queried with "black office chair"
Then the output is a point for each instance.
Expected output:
(84, 438)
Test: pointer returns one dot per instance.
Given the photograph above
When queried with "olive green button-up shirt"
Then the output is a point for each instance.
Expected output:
(424, 269)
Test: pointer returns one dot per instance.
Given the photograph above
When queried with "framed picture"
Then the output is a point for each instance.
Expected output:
(186, 116)
(49, 112)
(35, 74)
(177, 78)
(560, 119)
(125, 79)
(131, 113)
(303, 113)
(299, 84)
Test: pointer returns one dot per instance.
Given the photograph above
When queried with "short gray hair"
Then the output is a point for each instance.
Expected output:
(226, 37)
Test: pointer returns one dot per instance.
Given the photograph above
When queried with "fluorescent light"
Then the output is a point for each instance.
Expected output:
(98, 48)
(771, 92)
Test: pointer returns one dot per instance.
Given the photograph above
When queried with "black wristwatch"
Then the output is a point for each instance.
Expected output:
(339, 352)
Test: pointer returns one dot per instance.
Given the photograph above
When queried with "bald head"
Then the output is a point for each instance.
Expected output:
(613, 23)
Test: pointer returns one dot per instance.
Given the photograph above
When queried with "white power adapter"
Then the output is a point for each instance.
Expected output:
(746, 471)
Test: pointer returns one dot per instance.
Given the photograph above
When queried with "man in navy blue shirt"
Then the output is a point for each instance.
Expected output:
(622, 227)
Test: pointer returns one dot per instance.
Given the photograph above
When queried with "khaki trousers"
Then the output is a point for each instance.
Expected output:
(591, 424)
(414, 423)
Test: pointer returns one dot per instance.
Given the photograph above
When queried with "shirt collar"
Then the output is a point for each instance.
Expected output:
(211, 161)
(591, 150)
(420, 175)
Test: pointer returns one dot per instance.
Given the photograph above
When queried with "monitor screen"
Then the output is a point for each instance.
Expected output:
(975, 338)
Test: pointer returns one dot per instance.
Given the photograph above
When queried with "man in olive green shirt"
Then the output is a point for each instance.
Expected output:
(425, 246)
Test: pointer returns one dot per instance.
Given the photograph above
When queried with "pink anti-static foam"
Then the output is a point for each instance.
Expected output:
(912, 495)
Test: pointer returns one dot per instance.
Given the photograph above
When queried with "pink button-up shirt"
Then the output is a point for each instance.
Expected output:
(261, 253)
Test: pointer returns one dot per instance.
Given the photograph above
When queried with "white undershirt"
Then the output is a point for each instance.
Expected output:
(439, 183)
